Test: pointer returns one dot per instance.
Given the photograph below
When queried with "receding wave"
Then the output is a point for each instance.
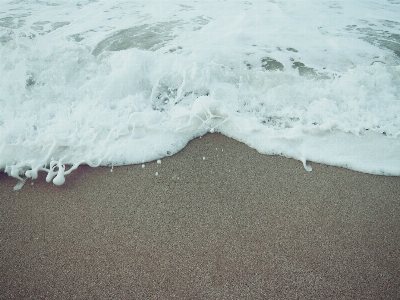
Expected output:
(102, 89)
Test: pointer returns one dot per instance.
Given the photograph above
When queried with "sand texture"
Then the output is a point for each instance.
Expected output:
(234, 225)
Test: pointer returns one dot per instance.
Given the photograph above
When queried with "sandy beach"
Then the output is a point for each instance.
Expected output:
(219, 221)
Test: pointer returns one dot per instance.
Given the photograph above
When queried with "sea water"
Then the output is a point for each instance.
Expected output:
(103, 82)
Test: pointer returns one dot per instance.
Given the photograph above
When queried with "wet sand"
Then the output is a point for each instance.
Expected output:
(234, 225)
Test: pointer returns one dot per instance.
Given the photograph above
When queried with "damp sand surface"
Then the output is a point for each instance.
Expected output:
(219, 220)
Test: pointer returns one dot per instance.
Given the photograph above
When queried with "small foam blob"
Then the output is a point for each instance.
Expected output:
(307, 167)
(60, 178)
(51, 172)
(159, 161)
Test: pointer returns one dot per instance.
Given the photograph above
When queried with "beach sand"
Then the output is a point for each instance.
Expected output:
(220, 221)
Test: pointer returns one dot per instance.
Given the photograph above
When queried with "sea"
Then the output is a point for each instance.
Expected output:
(109, 83)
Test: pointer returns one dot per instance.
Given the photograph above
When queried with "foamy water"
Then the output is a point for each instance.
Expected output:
(126, 82)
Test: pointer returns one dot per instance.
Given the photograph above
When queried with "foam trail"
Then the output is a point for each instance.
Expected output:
(108, 84)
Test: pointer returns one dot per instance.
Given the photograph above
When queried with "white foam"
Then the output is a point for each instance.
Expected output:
(103, 83)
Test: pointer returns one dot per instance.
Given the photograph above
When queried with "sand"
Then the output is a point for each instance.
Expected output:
(220, 221)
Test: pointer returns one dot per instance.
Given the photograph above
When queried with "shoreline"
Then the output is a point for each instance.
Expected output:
(219, 220)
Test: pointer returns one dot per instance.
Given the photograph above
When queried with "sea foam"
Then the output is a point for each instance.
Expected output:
(90, 82)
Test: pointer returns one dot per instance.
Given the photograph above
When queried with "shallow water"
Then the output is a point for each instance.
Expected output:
(113, 83)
